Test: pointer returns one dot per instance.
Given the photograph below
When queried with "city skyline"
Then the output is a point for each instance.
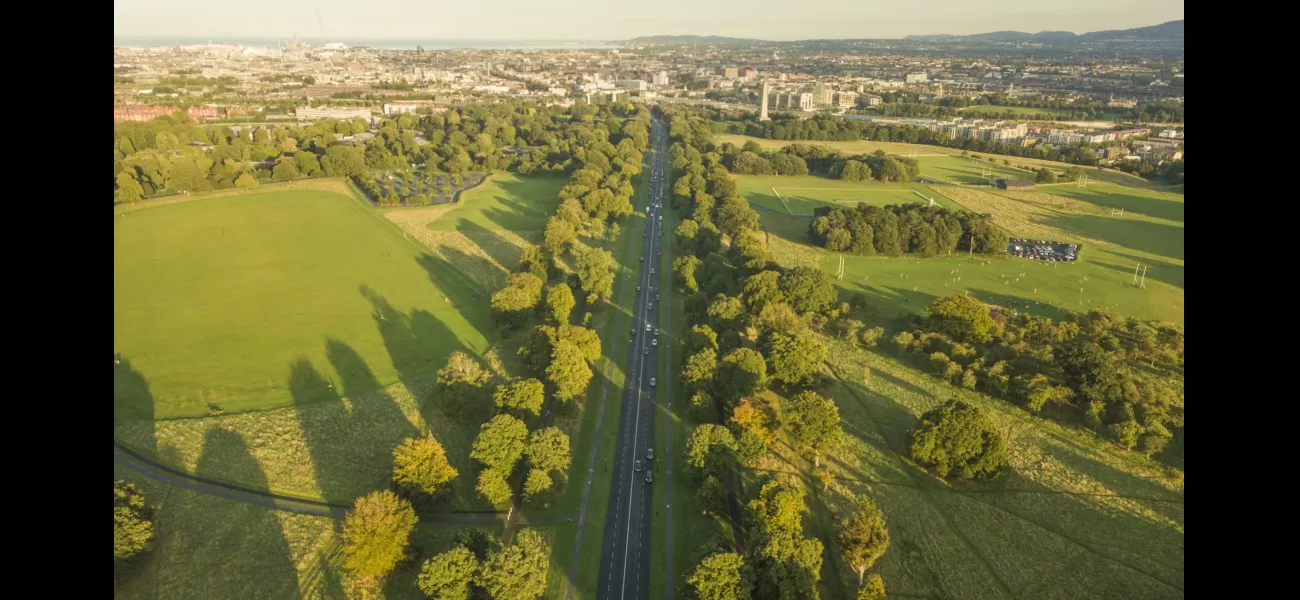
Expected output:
(576, 20)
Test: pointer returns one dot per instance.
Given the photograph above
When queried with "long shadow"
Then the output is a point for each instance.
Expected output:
(502, 251)
(220, 548)
(1166, 272)
(449, 275)
(1156, 238)
(133, 408)
(350, 443)
(1154, 207)
(410, 340)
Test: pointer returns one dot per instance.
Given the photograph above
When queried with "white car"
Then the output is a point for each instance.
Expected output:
(652, 382)
(654, 342)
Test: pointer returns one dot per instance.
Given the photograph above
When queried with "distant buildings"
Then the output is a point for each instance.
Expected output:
(846, 99)
(146, 113)
(916, 78)
(805, 101)
(749, 74)
(660, 79)
(730, 72)
(631, 84)
(315, 114)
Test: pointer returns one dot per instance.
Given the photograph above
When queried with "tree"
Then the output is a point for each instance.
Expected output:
(461, 380)
(493, 487)
(548, 450)
(814, 423)
(536, 484)
(245, 180)
(684, 273)
(420, 464)
(308, 164)
(128, 188)
(559, 235)
(513, 304)
(596, 274)
(761, 289)
(521, 395)
(711, 449)
(874, 588)
(863, 537)
(448, 576)
(795, 358)
(500, 443)
(568, 371)
(132, 527)
(743, 372)
(735, 216)
(808, 289)
(961, 317)
(342, 160)
(285, 169)
(375, 534)
(700, 368)
(1045, 175)
(957, 439)
(518, 572)
(559, 303)
(721, 576)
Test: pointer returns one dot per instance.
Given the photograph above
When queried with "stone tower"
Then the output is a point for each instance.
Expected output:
(762, 114)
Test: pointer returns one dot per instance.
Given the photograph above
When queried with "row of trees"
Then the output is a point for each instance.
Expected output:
(376, 539)
(908, 229)
(750, 331)
(1119, 376)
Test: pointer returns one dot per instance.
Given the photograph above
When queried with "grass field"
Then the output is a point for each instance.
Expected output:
(218, 301)
(1102, 278)
(1072, 518)
(959, 169)
(922, 151)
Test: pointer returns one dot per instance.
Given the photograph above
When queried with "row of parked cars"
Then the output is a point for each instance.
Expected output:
(1042, 250)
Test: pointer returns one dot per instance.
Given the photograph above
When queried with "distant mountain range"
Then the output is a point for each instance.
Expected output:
(1171, 31)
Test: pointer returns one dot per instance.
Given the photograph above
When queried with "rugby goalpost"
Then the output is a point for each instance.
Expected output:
(839, 273)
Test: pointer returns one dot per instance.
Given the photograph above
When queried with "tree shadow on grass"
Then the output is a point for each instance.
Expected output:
(1155, 207)
(133, 408)
(213, 547)
(412, 342)
(1156, 238)
(503, 251)
(350, 442)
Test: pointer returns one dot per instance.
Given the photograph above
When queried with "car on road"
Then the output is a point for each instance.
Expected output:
(649, 453)
(652, 270)
(637, 467)
(656, 297)
(652, 382)
(647, 328)
(642, 258)
(647, 351)
(649, 477)
(638, 288)
(650, 306)
(633, 331)
(643, 234)
(654, 342)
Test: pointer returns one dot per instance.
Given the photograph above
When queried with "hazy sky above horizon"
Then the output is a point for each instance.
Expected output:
(607, 20)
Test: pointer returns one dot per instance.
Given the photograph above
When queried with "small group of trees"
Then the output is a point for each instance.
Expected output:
(907, 229)
(958, 440)
(377, 536)
(132, 521)
(1119, 376)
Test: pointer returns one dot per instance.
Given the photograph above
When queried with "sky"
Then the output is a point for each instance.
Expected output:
(619, 19)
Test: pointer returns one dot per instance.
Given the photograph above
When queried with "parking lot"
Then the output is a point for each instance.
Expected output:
(1043, 250)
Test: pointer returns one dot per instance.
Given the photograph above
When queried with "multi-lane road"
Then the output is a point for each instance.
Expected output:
(625, 547)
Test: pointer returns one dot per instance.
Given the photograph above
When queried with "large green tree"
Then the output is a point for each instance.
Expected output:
(568, 371)
(795, 358)
(596, 274)
(743, 372)
(721, 576)
(420, 464)
(518, 571)
(500, 443)
(711, 449)
(521, 395)
(863, 537)
(450, 575)
(559, 303)
(963, 318)
(132, 526)
(808, 289)
(375, 534)
(958, 440)
(548, 450)
(814, 423)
